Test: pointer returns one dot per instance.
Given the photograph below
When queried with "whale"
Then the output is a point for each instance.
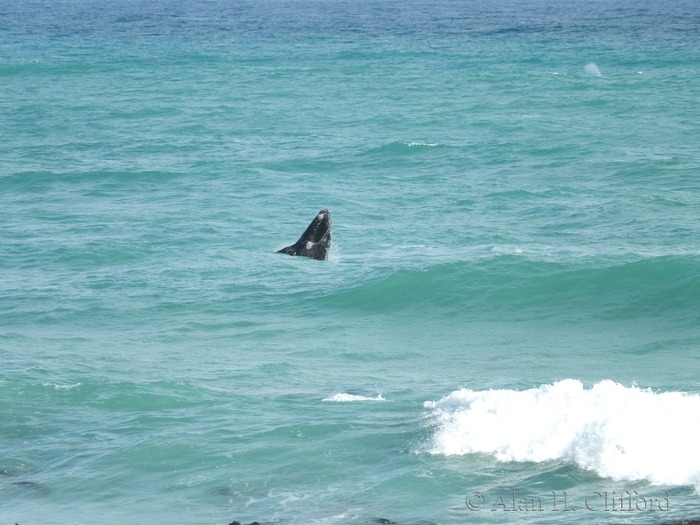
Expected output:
(315, 242)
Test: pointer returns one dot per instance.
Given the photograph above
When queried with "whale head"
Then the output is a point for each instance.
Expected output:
(315, 241)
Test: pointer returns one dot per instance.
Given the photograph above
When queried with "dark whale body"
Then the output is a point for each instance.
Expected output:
(315, 241)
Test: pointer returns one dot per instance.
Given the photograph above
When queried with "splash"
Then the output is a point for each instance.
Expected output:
(618, 432)
(592, 69)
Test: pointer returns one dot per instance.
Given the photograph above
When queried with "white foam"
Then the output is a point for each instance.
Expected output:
(427, 144)
(62, 387)
(625, 433)
(346, 398)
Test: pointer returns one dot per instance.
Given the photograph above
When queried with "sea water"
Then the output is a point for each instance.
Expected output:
(507, 329)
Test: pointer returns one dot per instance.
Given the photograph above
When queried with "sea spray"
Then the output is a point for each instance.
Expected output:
(592, 69)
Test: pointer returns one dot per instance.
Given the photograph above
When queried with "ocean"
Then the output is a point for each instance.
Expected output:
(507, 328)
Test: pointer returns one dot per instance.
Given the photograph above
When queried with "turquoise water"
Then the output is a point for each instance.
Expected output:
(510, 309)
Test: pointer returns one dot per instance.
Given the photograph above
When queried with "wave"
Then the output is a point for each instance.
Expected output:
(94, 182)
(411, 157)
(624, 433)
(523, 286)
(62, 387)
(346, 398)
(400, 148)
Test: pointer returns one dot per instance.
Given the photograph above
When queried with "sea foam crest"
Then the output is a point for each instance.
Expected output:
(618, 432)
(345, 398)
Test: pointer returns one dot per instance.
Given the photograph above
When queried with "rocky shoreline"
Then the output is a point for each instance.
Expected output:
(384, 521)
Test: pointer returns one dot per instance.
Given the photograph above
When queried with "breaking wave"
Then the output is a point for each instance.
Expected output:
(624, 433)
